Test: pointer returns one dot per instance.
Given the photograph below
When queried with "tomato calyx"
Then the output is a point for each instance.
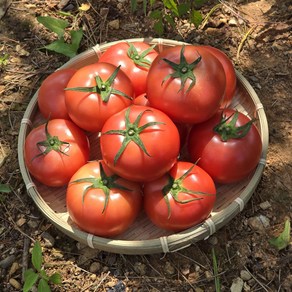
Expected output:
(132, 133)
(228, 131)
(139, 59)
(51, 143)
(103, 88)
(183, 70)
(104, 182)
(175, 186)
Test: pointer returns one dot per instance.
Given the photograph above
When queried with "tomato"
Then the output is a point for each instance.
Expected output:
(51, 95)
(54, 151)
(100, 202)
(95, 92)
(180, 199)
(135, 59)
(187, 83)
(139, 143)
(229, 74)
(141, 100)
(228, 146)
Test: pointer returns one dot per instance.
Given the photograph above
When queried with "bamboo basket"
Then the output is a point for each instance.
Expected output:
(143, 237)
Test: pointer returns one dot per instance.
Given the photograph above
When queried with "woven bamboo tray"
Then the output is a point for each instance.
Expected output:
(143, 237)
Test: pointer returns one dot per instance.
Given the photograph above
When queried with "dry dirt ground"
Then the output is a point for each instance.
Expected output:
(245, 258)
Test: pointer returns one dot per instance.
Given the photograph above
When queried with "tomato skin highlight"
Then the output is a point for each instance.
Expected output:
(226, 162)
(87, 210)
(229, 74)
(87, 109)
(162, 142)
(51, 95)
(183, 106)
(55, 169)
(182, 216)
(117, 55)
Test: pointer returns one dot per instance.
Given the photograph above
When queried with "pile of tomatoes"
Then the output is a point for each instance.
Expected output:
(164, 130)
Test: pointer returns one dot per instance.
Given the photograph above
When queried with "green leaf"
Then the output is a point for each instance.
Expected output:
(283, 240)
(5, 188)
(156, 14)
(215, 270)
(170, 20)
(69, 50)
(43, 286)
(76, 36)
(30, 278)
(37, 258)
(133, 5)
(196, 17)
(44, 275)
(54, 24)
(183, 9)
(172, 6)
(199, 3)
(56, 278)
(158, 27)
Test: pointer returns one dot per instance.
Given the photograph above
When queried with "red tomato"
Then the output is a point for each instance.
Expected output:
(51, 95)
(135, 59)
(54, 154)
(229, 74)
(141, 100)
(187, 83)
(224, 152)
(94, 93)
(100, 202)
(139, 143)
(180, 199)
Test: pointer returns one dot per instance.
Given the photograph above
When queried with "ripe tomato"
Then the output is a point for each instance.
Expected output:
(51, 95)
(95, 92)
(226, 148)
(141, 100)
(180, 199)
(229, 74)
(187, 83)
(55, 151)
(139, 143)
(135, 59)
(100, 202)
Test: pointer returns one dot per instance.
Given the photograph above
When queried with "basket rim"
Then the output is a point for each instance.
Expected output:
(163, 244)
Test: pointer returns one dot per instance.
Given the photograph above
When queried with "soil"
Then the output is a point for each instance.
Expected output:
(246, 260)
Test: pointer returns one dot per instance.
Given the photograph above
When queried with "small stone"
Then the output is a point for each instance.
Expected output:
(259, 223)
(21, 221)
(14, 268)
(14, 283)
(140, 268)
(114, 24)
(193, 277)
(246, 287)
(232, 22)
(104, 11)
(169, 268)
(49, 239)
(213, 240)
(245, 275)
(265, 205)
(21, 51)
(93, 277)
(33, 224)
(237, 285)
(209, 276)
(5, 263)
(94, 267)
(185, 270)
